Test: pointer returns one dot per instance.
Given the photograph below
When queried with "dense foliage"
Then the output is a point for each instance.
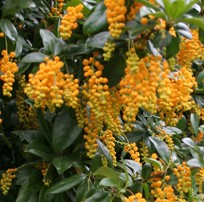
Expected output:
(102, 100)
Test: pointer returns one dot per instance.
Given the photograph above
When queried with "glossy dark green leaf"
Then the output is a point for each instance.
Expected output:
(183, 9)
(114, 70)
(107, 182)
(200, 79)
(96, 162)
(39, 148)
(44, 125)
(154, 162)
(33, 57)
(195, 122)
(43, 197)
(71, 50)
(102, 149)
(98, 40)
(19, 46)
(196, 163)
(136, 167)
(11, 7)
(66, 184)
(177, 8)
(172, 48)
(146, 189)
(27, 135)
(65, 131)
(24, 194)
(188, 141)
(182, 123)
(196, 21)
(64, 162)
(107, 172)
(146, 171)
(96, 21)
(99, 196)
(161, 148)
(82, 191)
(134, 29)
(9, 29)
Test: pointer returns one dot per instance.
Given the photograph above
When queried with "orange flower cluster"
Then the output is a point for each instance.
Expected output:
(115, 13)
(178, 100)
(195, 50)
(136, 197)
(132, 149)
(138, 86)
(108, 48)
(26, 113)
(6, 180)
(49, 87)
(56, 10)
(200, 179)
(69, 21)
(109, 140)
(44, 169)
(98, 101)
(133, 10)
(183, 173)
(8, 68)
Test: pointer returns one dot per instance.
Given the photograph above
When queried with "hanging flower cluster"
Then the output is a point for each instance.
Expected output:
(8, 68)
(69, 21)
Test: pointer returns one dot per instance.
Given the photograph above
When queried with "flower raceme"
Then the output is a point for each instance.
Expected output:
(8, 68)
(115, 13)
(51, 88)
(69, 21)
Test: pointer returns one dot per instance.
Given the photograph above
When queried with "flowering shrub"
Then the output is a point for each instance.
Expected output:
(102, 100)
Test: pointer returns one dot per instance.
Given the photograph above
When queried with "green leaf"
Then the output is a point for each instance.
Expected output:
(182, 123)
(114, 70)
(33, 57)
(183, 9)
(146, 189)
(146, 171)
(82, 191)
(108, 173)
(66, 184)
(177, 8)
(19, 46)
(71, 50)
(98, 40)
(102, 149)
(23, 194)
(107, 182)
(196, 163)
(63, 163)
(172, 48)
(65, 131)
(22, 68)
(99, 196)
(197, 21)
(195, 122)
(200, 79)
(96, 21)
(43, 125)
(161, 148)
(39, 148)
(136, 167)
(11, 7)
(188, 141)
(154, 162)
(45, 198)
(134, 29)
(27, 135)
(9, 29)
